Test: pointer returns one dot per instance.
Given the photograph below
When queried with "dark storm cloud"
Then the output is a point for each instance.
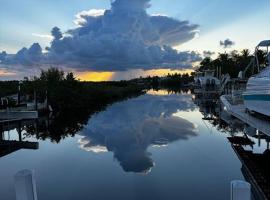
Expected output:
(208, 53)
(25, 56)
(122, 38)
(3, 56)
(226, 43)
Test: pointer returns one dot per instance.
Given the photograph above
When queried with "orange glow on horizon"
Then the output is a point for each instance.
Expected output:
(125, 75)
(95, 76)
(6, 73)
(164, 72)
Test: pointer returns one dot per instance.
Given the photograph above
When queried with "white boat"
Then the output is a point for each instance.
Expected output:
(257, 94)
(206, 81)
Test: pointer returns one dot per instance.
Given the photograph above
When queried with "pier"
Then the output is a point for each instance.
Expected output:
(255, 169)
(22, 115)
(239, 112)
(10, 146)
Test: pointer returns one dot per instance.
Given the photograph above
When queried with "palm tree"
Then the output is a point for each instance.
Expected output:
(205, 64)
(244, 59)
(261, 55)
(245, 53)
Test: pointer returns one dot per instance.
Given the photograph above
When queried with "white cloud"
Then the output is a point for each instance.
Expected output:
(46, 36)
(81, 17)
(123, 38)
(159, 14)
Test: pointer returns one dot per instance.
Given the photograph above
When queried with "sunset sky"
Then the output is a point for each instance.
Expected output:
(124, 42)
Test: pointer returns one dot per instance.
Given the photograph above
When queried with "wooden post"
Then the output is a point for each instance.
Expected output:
(20, 131)
(36, 126)
(25, 185)
(2, 132)
(46, 100)
(259, 138)
(19, 94)
(35, 99)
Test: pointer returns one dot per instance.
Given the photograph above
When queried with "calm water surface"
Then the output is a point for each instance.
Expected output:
(155, 146)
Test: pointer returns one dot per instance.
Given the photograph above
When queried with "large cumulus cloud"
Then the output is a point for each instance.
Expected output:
(25, 56)
(123, 37)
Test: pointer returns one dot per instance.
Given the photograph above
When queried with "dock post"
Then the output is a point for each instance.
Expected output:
(20, 131)
(240, 190)
(36, 102)
(25, 185)
(1, 132)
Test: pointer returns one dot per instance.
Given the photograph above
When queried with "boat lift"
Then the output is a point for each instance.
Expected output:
(255, 62)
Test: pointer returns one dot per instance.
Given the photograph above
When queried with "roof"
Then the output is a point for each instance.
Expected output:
(264, 43)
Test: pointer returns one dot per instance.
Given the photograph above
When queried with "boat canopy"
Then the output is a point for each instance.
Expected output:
(264, 43)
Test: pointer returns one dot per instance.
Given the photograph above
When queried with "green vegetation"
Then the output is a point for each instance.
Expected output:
(73, 102)
(67, 93)
(172, 82)
(232, 63)
(8, 88)
(176, 80)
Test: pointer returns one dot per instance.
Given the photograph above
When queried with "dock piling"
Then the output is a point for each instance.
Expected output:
(240, 190)
(25, 185)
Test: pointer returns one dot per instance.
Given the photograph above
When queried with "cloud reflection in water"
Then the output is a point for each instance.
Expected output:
(128, 128)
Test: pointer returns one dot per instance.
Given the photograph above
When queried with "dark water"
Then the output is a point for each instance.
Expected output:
(155, 146)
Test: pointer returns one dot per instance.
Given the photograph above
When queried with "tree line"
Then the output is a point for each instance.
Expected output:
(234, 62)
(64, 91)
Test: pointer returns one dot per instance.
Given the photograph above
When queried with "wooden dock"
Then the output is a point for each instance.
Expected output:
(255, 169)
(15, 115)
(7, 125)
(8, 147)
(239, 112)
(203, 91)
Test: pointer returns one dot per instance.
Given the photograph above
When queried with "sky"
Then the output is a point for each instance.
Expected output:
(135, 38)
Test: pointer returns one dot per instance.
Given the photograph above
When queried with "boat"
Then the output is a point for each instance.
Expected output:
(257, 94)
(206, 80)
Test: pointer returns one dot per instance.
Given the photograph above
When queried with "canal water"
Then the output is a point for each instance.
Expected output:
(156, 146)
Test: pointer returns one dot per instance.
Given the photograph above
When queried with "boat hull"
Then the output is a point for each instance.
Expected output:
(258, 103)
(257, 95)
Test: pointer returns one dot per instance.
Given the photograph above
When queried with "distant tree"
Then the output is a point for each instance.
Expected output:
(70, 77)
(244, 59)
(231, 63)
(206, 63)
(245, 53)
(261, 55)
(52, 75)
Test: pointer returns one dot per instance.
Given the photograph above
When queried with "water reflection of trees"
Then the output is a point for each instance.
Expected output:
(9, 144)
(63, 124)
(172, 90)
(59, 127)
(68, 122)
(212, 112)
(132, 127)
